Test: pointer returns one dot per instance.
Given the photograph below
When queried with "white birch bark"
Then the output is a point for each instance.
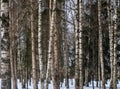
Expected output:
(100, 49)
(110, 28)
(115, 47)
(55, 75)
(39, 43)
(76, 45)
(5, 59)
(18, 47)
(80, 46)
(52, 18)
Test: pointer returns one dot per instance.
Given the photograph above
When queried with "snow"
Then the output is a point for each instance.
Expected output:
(62, 85)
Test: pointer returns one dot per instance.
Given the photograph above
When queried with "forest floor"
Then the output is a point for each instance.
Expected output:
(71, 85)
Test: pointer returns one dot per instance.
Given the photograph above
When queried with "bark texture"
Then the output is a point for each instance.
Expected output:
(5, 58)
(115, 47)
(100, 50)
(80, 45)
(50, 65)
(76, 45)
(32, 22)
(39, 44)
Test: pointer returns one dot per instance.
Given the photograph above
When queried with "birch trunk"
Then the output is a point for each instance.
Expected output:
(76, 46)
(18, 47)
(52, 19)
(115, 47)
(110, 28)
(5, 59)
(64, 43)
(39, 45)
(18, 58)
(12, 42)
(55, 55)
(99, 73)
(33, 45)
(80, 46)
(100, 50)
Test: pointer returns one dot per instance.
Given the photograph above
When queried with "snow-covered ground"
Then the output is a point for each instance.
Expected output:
(71, 85)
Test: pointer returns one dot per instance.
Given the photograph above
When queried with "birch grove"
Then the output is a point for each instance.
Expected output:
(55, 44)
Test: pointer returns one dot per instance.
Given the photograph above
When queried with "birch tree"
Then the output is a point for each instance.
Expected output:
(100, 45)
(76, 45)
(5, 57)
(113, 44)
(115, 47)
(39, 44)
(110, 28)
(55, 72)
(50, 58)
(64, 40)
(32, 24)
(12, 45)
(80, 45)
